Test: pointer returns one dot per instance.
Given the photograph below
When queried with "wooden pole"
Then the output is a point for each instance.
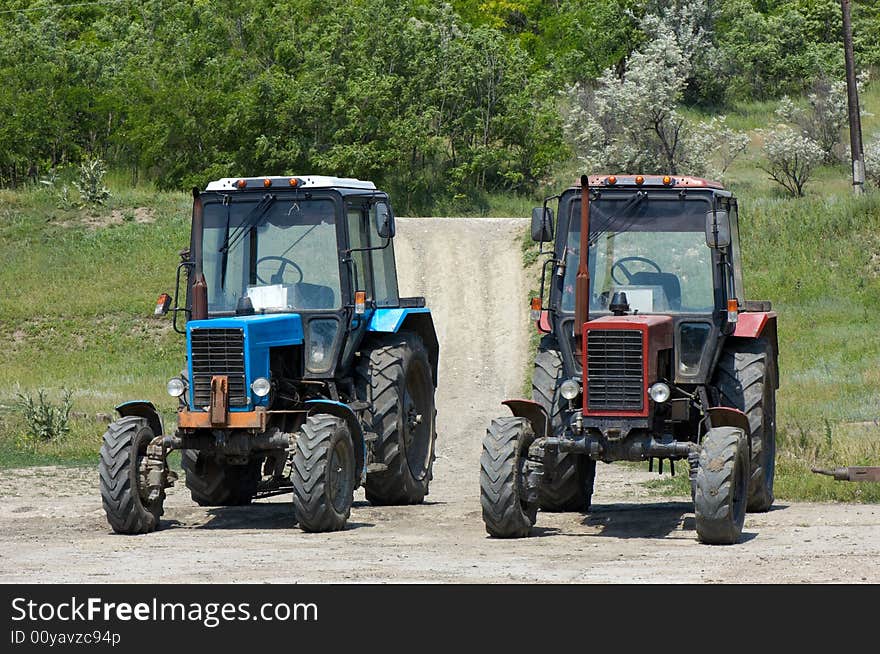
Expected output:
(852, 97)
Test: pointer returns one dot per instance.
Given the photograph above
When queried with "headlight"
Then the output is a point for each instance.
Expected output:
(570, 389)
(261, 387)
(659, 392)
(175, 387)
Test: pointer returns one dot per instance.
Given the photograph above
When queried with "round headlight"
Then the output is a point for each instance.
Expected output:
(175, 387)
(570, 389)
(659, 392)
(261, 386)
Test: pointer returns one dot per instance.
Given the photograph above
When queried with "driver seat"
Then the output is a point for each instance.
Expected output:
(312, 296)
(669, 282)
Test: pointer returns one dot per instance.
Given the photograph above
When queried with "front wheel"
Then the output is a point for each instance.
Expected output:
(323, 474)
(510, 507)
(124, 493)
(722, 486)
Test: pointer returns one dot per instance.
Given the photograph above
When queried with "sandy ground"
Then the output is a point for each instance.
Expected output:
(52, 527)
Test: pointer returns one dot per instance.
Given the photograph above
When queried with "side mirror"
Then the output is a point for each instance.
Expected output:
(163, 304)
(542, 224)
(717, 229)
(384, 220)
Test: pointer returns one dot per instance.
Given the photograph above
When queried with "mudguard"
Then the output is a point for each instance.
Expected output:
(143, 409)
(758, 324)
(417, 320)
(343, 411)
(535, 413)
(723, 416)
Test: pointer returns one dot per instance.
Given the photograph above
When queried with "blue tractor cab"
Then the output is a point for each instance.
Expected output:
(305, 372)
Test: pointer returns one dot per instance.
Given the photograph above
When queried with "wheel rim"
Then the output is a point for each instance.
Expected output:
(339, 476)
(417, 419)
(139, 454)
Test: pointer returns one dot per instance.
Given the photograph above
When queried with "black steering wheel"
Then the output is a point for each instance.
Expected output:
(278, 276)
(619, 264)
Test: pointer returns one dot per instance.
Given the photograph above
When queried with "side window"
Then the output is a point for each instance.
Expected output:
(358, 239)
(384, 270)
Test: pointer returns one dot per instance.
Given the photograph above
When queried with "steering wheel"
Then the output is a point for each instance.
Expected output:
(619, 264)
(278, 276)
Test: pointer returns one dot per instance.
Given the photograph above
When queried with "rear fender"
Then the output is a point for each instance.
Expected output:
(343, 411)
(143, 409)
(760, 324)
(533, 412)
(417, 320)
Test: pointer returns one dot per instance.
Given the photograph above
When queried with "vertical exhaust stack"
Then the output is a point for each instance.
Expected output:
(200, 287)
(582, 281)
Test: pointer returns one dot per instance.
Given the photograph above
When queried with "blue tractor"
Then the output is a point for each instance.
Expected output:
(306, 372)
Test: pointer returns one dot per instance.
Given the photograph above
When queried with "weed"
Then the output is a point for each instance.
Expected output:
(46, 422)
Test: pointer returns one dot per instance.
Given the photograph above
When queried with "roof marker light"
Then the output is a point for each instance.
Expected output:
(667, 180)
(267, 182)
(640, 180)
(242, 183)
(294, 182)
(611, 180)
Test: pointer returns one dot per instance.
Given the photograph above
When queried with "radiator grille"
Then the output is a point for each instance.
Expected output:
(615, 370)
(218, 352)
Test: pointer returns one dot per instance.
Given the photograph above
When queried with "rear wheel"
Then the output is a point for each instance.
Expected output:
(568, 477)
(722, 486)
(745, 379)
(124, 494)
(509, 507)
(323, 474)
(212, 483)
(395, 379)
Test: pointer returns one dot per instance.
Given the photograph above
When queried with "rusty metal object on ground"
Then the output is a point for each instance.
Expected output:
(851, 473)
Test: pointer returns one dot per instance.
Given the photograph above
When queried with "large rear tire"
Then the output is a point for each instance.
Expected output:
(745, 378)
(568, 477)
(394, 377)
(722, 486)
(212, 483)
(508, 511)
(123, 494)
(323, 474)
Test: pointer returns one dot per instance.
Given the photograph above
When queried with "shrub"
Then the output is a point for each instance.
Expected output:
(791, 159)
(91, 182)
(872, 159)
(46, 422)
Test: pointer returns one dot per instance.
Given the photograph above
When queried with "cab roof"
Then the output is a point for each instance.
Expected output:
(288, 182)
(655, 181)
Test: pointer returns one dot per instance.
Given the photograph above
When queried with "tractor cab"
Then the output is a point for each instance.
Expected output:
(648, 245)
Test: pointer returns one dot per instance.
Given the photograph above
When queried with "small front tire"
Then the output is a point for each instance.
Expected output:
(323, 474)
(509, 508)
(722, 486)
(126, 504)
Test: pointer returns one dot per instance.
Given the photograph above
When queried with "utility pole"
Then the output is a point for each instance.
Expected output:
(852, 98)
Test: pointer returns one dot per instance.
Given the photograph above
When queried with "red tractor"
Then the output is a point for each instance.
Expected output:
(649, 352)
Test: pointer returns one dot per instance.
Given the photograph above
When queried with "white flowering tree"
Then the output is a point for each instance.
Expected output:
(791, 158)
(633, 122)
(872, 159)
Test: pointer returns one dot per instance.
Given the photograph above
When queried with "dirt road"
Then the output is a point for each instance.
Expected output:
(52, 527)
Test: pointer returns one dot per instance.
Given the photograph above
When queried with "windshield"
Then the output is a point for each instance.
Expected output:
(652, 249)
(281, 253)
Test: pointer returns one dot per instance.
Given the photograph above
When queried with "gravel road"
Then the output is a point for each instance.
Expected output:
(52, 527)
